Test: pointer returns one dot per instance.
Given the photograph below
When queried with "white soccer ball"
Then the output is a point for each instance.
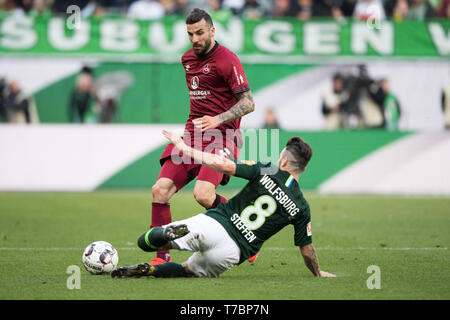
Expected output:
(100, 257)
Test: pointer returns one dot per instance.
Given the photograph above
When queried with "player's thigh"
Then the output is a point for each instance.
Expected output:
(204, 233)
(215, 252)
(212, 176)
(179, 174)
(214, 261)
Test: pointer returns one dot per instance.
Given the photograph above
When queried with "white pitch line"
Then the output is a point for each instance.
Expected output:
(267, 248)
(365, 248)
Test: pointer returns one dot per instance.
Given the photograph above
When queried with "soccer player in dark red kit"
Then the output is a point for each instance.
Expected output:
(219, 96)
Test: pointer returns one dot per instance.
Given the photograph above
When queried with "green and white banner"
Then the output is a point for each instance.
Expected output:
(257, 41)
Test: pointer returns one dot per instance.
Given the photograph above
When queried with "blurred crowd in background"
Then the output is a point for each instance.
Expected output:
(250, 9)
(356, 100)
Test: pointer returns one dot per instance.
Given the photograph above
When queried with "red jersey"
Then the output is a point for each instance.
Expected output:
(213, 82)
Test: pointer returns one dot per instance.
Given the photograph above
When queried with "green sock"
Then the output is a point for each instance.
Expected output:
(152, 239)
(169, 270)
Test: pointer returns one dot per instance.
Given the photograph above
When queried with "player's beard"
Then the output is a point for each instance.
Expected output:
(204, 50)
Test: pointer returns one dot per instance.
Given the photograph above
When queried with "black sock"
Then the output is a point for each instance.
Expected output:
(169, 270)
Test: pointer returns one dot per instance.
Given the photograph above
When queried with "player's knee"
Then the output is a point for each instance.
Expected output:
(204, 198)
(160, 193)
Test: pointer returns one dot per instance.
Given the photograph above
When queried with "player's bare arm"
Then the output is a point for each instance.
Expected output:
(312, 262)
(210, 160)
(244, 106)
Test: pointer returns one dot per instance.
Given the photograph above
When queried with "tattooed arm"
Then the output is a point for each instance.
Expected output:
(312, 262)
(244, 106)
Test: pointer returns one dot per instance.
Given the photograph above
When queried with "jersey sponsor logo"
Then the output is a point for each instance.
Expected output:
(279, 195)
(195, 82)
(308, 229)
(199, 94)
(206, 69)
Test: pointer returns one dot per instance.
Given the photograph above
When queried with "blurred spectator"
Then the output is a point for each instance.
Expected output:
(107, 90)
(11, 6)
(169, 6)
(401, 10)
(305, 9)
(3, 115)
(280, 8)
(337, 14)
(334, 104)
(391, 106)
(354, 111)
(270, 121)
(325, 8)
(19, 107)
(347, 7)
(217, 12)
(387, 104)
(25, 5)
(107, 104)
(41, 9)
(181, 7)
(421, 9)
(302, 9)
(365, 9)
(60, 6)
(79, 108)
(233, 5)
(389, 6)
(445, 103)
(252, 9)
(444, 9)
(146, 10)
(94, 8)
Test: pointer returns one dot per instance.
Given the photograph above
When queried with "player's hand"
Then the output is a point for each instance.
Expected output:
(206, 122)
(327, 274)
(172, 137)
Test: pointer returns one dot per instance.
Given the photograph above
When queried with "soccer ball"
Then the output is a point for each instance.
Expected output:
(100, 257)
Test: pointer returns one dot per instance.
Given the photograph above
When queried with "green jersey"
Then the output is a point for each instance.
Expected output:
(270, 201)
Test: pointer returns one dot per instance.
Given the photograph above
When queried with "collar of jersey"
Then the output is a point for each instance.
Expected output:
(287, 177)
(211, 51)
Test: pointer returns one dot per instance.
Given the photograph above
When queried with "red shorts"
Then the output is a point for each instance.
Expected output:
(183, 172)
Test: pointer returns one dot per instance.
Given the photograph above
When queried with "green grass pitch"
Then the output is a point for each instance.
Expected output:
(42, 234)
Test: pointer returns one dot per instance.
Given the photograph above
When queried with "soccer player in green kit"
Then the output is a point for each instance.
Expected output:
(231, 233)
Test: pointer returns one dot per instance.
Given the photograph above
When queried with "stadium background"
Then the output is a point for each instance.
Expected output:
(378, 196)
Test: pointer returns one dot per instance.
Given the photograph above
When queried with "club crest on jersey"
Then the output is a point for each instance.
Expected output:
(206, 69)
(195, 81)
(187, 67)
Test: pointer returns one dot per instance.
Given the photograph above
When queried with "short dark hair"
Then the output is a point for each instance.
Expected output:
(301, 153)
(197, 15)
